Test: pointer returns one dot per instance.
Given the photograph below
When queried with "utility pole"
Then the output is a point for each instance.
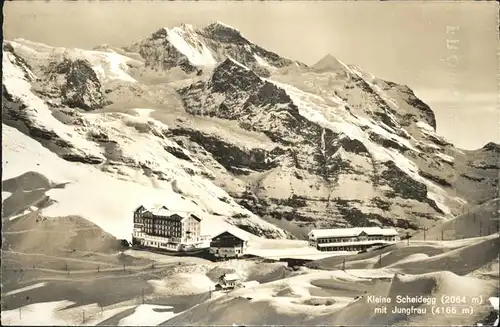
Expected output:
(83, 314)
(380, 260)
(481, 228)
(343, 264)
(425, 230)
(442, 234)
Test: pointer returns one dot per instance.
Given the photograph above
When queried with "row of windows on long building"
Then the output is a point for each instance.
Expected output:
(356, 239)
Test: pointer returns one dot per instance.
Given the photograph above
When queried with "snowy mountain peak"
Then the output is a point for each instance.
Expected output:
(187, 26)
(223, 33)
(491, 146)
(219, 26)
(328, 58)
(193, 48)
(329, 62)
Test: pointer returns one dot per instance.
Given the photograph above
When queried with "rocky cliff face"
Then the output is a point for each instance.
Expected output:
(325, 176)
(22, 109)
(477, 173)
(74, 83)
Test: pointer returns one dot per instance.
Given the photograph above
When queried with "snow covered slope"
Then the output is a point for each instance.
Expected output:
(481, 220)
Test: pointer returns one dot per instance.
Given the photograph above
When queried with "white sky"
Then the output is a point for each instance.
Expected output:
(405, 42)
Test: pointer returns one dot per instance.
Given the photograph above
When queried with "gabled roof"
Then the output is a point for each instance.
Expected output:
(195, 217)
(161, 211)
(236, 232)
(230, 277)
(181, 216)
(355, 231)
(185, 216)
(139, 208)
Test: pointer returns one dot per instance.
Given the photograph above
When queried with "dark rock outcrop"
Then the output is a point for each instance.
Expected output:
(231, 157)
(434, 178)
(402, 184)
(76, 83)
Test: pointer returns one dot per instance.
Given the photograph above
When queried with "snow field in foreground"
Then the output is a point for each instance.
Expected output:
(183, 284)
(55, 314)
(145, 315)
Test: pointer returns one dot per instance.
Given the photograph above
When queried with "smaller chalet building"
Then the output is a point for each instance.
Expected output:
(351, 239)
(229, 244)
(164, 229)
(228, 281)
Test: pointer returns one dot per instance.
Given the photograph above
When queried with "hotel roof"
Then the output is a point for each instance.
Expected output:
(355, 231)
(163, 211)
